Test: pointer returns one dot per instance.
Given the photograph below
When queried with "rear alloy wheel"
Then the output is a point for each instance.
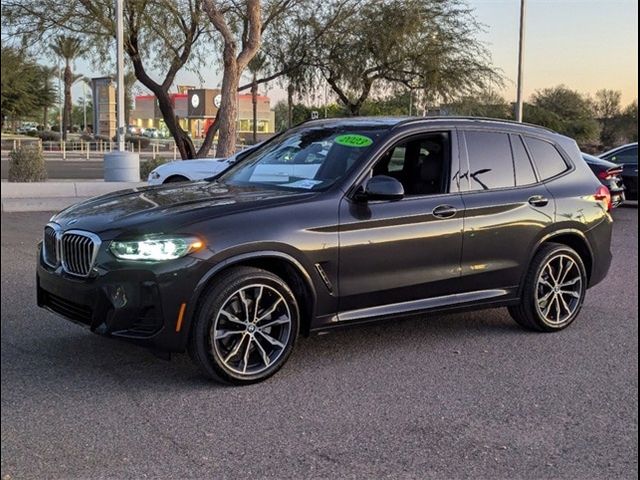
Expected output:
(553, 291)
(246, 328)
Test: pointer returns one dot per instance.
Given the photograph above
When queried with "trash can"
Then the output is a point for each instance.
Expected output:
(121, 166)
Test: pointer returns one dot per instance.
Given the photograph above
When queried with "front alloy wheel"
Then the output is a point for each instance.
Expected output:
(246, 326)
(252, 329)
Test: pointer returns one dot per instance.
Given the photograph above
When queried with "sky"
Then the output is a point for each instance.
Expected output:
(584, 44)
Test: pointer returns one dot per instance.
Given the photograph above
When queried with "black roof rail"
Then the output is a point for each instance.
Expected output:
(472, 119)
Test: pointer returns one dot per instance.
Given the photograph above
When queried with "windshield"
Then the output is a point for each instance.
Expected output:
(305, 158)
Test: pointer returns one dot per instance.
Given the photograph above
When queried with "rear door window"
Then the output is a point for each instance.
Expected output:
(546, 157)
(525, 175)
(490, 162)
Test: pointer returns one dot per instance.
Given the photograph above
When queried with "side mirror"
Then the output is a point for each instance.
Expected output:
(381, 187)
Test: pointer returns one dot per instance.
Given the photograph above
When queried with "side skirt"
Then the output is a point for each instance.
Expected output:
(477, 300)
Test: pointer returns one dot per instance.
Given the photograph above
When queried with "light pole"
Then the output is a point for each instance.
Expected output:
(120, 165)
(523, 4)
(325, 100)
(84, 105)
(120, 125)
(60, 101)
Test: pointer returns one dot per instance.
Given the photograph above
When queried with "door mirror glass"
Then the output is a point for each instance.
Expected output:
(382, 187)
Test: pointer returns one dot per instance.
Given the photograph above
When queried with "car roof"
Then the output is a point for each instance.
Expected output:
(396, 122)
(621, 147)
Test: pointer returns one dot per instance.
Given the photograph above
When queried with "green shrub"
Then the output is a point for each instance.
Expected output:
(148, 165)
(26, 164)
(48, 136)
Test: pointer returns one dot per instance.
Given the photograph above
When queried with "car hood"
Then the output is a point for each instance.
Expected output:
(168, 207)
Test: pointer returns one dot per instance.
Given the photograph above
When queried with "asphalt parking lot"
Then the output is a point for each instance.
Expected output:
(451, 396)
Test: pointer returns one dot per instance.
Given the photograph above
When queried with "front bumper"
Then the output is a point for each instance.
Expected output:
(138, 303)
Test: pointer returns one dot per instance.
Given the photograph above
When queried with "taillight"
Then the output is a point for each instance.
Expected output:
(609, 174)
(603, 195)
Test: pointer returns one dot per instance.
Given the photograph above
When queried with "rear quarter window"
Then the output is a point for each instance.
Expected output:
(546, 157)
(525, 175)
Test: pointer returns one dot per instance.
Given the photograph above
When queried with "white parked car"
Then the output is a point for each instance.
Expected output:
(286, 163)
(190, 170)
(187, 170)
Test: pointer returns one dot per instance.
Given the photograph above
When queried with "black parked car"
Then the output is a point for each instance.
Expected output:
(627, 157)
(401, 216)
(610, 175)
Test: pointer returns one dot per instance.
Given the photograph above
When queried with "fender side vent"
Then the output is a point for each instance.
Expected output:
(324, 277)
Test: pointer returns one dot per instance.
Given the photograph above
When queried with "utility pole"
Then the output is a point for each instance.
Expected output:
(523, 5)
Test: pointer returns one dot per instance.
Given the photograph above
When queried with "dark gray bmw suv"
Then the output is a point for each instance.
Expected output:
(331, 223)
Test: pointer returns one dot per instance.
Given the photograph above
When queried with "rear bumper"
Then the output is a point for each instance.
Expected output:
(139, 305)
(599, 238)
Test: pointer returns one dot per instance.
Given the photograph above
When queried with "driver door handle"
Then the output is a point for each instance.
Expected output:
(444, 211)
(538, 201)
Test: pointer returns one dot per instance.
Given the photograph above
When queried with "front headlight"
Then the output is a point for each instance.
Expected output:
(155, 249)
(154, 175)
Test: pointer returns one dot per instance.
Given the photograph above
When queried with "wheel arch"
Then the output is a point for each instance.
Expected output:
(572, 238)
(174, 176)
(281, 264)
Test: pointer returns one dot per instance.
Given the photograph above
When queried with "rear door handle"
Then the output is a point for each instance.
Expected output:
(444, 211)
(538, 201)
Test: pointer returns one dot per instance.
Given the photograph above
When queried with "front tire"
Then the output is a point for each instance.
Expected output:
(553, 290)
(245, 327)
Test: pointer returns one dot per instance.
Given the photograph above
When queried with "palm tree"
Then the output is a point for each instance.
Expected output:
(129, 81)
(47, 92)
(255, 66)
(68, 49)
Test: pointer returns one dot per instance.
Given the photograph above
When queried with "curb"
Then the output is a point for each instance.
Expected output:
(54, 196)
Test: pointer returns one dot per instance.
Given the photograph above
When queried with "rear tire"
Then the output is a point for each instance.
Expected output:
(553, 290)
(245, 326)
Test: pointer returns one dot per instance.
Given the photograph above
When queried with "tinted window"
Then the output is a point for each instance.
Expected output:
(628, 155)
(420, 164)
(524, 170)
(490, 163)
(546, 157)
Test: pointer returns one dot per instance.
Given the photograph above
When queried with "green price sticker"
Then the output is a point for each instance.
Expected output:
(353, 140)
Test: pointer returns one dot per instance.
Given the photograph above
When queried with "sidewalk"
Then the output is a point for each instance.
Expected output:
(54, 196)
